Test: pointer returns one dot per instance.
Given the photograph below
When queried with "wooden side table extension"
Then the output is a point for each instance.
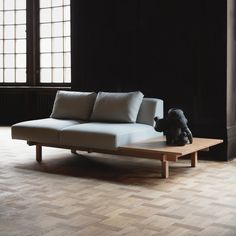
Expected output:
(157, 149)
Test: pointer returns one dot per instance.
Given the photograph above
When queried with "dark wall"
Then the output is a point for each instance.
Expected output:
(20, 104)
(173, 50)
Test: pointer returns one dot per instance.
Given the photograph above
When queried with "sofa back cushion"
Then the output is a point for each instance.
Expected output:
(150, 108)
(73, 105)
(117, 107)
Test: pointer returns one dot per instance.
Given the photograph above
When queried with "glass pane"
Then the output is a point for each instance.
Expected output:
(45, 30)
(46, 60)
(57, 45)
(45, 45)
(21, 46)
(45, 3)
(13, 41)
(9, 61)
(21, 31)
(67, 29)
(9, 5)
(20, 75)
(9, 46)
(21, 17)
(1, 46)
(1, 61)
(9, 75)
(9, 32)
(67, 13)
(53, 44)
(1, 17)
(9, 17)
(67, 75)
(45, 15)
(57, 60)
(57, 29)
(20, 4)
(67, 44)
(57, 75)
(57, 3)
(1, 32)
(1, 73)
(67, 59)
(21, 60)
(45, 76)
(57, 14)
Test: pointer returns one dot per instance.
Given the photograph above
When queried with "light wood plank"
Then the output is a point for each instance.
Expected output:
(194, 156)
(151, 149)
(73, 151)
(158, 145)
(165, 167)
(38, 153)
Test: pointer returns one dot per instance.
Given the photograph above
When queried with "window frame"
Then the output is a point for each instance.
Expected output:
(33, 50)
(14, 25)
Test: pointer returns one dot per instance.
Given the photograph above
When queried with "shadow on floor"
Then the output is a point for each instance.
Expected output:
(119, 169)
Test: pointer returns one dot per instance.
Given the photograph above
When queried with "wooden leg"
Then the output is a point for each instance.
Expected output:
(73, 151)
(165, 168)
(193, 159)
(38, 153)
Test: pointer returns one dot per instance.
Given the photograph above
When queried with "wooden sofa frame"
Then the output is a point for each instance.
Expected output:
(150, 149)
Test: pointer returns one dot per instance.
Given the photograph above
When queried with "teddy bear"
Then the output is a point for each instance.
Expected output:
(174, 127)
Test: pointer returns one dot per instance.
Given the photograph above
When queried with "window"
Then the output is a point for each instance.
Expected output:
(55, 65)
(12, 41)
(40, 56)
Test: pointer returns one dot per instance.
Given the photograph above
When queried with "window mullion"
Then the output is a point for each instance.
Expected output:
(37, 42)
(29, 36)
(32, 42)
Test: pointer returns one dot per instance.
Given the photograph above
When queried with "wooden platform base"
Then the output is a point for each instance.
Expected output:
(157, 149)
(151, 149)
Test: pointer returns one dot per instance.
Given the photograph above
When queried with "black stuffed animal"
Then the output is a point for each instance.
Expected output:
(175, 128)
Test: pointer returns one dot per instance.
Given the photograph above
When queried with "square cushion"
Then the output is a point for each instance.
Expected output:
(73, 105)
(117, 107)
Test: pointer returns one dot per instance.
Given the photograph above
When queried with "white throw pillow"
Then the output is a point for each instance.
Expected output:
(73, 105)
(117, 107)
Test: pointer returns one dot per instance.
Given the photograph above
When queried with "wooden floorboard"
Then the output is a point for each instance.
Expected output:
(94, 194)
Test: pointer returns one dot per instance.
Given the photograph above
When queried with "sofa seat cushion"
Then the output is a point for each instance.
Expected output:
(42, 130)
(96, 135)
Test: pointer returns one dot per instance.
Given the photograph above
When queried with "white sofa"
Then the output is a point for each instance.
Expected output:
(93, 122)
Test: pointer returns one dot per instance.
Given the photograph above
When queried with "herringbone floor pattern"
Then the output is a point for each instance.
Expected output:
(106, 195)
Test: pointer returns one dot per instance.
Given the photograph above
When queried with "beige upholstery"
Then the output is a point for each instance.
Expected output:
(117, 107)
(43, 130)
(97, 135)
(106, 135)
(73, 105)
(150, 107)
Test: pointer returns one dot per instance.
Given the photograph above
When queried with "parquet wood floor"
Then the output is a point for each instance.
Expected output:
(94, 194)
